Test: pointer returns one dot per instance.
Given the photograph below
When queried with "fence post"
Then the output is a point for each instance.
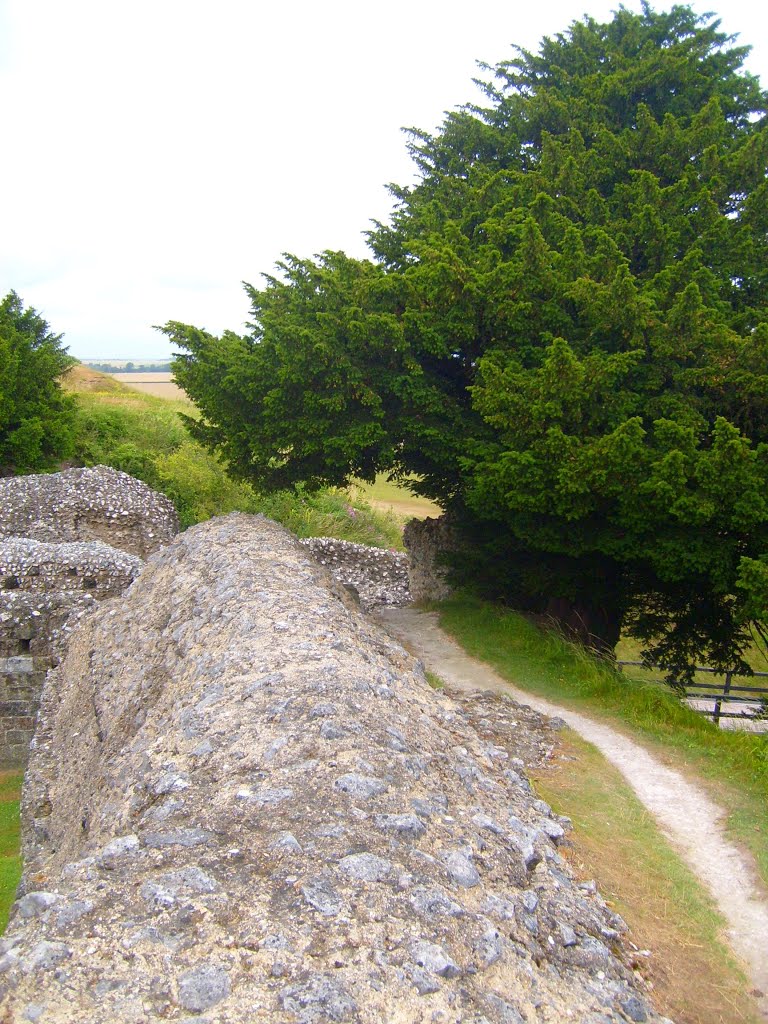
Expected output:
(719, 701)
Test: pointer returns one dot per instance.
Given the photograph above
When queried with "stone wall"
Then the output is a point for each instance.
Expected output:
(33, 565)
(44, 589)
(21, 683)
(377, 576)
(33, 630)
(54, 566)
(244, 803)
(99, 503)
(425, 541)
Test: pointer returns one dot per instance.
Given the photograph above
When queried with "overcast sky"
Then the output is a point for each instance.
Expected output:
(159, 152)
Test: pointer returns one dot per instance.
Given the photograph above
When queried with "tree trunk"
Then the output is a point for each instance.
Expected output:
(596, 626)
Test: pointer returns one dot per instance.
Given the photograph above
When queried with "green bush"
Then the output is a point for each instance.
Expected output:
(145, 436)
(199, 486)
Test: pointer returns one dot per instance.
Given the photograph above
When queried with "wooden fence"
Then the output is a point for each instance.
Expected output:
(753, 699)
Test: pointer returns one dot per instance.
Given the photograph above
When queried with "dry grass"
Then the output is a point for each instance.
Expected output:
(80, 378)
(391, 497)
(695, 978)
(162, 385)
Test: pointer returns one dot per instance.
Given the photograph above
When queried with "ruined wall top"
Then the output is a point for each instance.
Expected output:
(244, 803)
(90, 566)
(99, 503)
(378, 576)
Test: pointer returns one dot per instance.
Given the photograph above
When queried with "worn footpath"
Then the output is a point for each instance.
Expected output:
(686, 815)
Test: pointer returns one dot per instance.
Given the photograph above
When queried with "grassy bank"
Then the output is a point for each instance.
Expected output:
(733, 765)
(145, 436)
(673, 921)
(390, 497)
(10, 860)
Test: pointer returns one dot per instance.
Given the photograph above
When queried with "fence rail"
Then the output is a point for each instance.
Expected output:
(726, 693)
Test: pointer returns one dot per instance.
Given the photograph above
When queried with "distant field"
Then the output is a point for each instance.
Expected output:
(387, 496)
(160, 384)
(118, 364)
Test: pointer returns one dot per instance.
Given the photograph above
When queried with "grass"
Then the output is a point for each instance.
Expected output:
(10, 857)
(616, 842)
(144, 435)
(388, 496)
(733, 765)
(434, 681)
(629, 649)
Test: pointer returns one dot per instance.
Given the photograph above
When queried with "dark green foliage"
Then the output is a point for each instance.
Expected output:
(36, 418)
(564, 334)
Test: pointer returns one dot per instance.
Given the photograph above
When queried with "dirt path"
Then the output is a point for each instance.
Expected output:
(685, 814)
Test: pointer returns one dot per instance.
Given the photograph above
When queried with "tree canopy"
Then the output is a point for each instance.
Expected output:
(563, 333)
(36, 417)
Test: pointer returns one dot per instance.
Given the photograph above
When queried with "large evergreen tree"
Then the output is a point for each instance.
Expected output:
(36, 417)
(563, 332)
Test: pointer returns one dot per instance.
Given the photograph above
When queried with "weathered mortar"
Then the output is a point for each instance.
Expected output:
(245, 804)
(377, 575)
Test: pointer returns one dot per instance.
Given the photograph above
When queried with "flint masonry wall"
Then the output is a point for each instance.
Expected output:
(44, 588)
(245, 804)
(98, 503)
(376, 575)
(53, 569)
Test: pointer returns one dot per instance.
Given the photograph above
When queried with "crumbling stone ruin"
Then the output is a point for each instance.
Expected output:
(53, 568)
(37, 567)
(44, 589)
(244, 803)
(99, 503)
(426, 540)
(377, 576)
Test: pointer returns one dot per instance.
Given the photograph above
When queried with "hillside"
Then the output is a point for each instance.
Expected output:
(80, 378)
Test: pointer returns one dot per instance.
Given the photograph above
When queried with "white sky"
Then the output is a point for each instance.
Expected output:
(159, 152)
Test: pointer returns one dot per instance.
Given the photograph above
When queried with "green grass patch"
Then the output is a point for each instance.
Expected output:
(10, 857)
(387, 495)
(696, 980)
(733, 764)
(435, 681)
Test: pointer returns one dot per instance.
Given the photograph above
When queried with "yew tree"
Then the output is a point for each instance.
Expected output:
(36, 417)
(562, 333)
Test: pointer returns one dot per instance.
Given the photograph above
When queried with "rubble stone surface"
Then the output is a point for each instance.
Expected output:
(244, 803)
(426, 540)
(99, 503)
(377, 576)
